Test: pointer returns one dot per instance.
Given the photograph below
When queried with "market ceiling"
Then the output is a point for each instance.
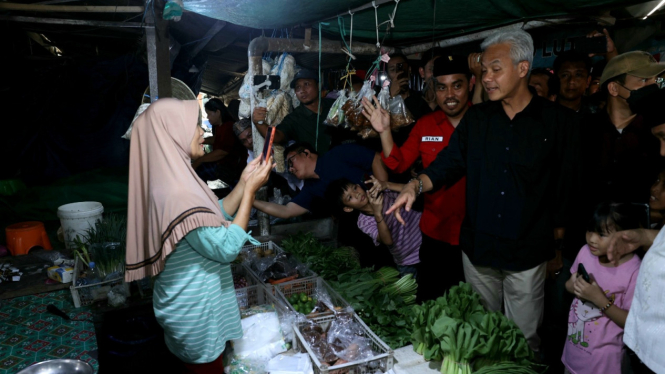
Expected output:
(414, 20)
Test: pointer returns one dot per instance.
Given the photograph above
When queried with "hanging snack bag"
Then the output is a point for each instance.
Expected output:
(400, 115)
(336, 114)
(366, 92)
(349, 112)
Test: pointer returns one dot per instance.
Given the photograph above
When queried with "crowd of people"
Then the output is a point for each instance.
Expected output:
(541, 188)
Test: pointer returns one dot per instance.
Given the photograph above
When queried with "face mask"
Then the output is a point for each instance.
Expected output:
(636, 98)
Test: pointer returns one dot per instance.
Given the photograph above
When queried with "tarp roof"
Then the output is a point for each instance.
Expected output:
(415, 20)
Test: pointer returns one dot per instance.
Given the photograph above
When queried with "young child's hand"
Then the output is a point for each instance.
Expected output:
(376, 199)
(377, 185)
(589, 291)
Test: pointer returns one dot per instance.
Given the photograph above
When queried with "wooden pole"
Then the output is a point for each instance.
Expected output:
(159, 59)
(71, 8)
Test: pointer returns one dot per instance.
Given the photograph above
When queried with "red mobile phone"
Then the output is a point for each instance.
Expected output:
(267, 145)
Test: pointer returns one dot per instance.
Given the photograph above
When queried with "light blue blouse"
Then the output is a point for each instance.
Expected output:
(194, 298)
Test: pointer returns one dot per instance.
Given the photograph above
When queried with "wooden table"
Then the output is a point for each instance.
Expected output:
(33, 280)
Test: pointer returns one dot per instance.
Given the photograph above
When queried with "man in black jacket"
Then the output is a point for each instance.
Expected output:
(519, 153)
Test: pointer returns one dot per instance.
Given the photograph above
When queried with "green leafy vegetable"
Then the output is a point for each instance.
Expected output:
(327, 262)
(382, 299)
(459, 330)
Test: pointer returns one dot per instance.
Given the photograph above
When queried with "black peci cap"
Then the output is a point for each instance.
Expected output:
(447, 65)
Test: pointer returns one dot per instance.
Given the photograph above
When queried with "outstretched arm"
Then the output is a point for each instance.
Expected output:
(289, 210)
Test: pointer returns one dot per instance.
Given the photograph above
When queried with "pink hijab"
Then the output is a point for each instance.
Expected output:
(166, 197)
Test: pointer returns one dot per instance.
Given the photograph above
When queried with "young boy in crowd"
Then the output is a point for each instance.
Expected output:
(403, 241)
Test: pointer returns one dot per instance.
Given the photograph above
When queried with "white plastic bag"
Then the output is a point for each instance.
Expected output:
(262, 337)
(299, 363)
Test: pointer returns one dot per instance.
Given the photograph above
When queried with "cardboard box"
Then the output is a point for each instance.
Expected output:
(62, 274)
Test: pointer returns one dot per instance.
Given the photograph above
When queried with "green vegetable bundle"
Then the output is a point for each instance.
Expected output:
(459, 330)
(327, 262)
(382, 299)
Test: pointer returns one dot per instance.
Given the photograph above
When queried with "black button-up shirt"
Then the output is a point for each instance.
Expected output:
(618, 166)
(520, 177)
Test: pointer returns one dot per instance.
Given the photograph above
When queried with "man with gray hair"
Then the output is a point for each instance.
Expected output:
(519, 153)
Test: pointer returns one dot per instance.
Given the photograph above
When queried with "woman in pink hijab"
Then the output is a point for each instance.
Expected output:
(178, 232)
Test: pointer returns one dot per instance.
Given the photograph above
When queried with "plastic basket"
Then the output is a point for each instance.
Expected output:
(383, 359)
(309, 287)
(259, 295)
(83, 295)
(303, 270)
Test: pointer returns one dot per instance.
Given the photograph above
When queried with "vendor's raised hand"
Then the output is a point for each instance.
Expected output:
(259, 176)
(249, 169)
(404, 200)
(474, 64)
(611, 48)
(259, 114)
(377, 116)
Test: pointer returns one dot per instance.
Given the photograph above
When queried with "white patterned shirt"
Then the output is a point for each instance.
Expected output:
(645, 326)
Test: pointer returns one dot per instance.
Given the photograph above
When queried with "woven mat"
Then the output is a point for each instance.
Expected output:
(29, 334)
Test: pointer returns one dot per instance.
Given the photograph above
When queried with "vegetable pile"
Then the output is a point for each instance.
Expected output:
(458, 329)
(383, 301)
(304, 304)
(325, 261)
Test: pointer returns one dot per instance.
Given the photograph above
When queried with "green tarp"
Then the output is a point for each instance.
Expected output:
(415, 20)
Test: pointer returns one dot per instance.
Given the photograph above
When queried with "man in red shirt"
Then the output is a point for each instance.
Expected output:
(440, 255)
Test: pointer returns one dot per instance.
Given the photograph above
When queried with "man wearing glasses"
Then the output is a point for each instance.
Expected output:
(350, 161)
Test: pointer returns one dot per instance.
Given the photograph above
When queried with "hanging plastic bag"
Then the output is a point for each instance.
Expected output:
(336, 114)
(348, 110)
(366, 92)
(384, 97)
(400, 116)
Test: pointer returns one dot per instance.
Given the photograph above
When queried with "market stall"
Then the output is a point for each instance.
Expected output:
(306, 303)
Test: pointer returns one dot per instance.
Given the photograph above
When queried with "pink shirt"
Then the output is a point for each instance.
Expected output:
(594, 342)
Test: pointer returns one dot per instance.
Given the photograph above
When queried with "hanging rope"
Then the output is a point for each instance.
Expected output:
(318, 112)
(376, 21)
(346, 78)
(391, 19)
(351, 33)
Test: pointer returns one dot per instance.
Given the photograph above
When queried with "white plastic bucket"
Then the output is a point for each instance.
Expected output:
(77, 218)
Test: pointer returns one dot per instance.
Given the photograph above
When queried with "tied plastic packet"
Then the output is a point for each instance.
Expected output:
(314, 335)
(347, 109)
(336, 114)
(346, 338)
(400, 116)
(353, 108)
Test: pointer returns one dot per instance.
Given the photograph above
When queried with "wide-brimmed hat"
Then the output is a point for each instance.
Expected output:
(638, 63)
